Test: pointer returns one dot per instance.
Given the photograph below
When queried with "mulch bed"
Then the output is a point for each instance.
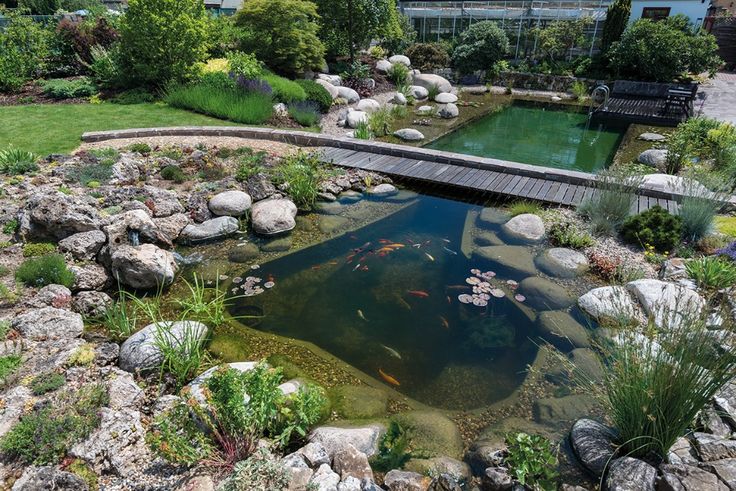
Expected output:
(32, 93)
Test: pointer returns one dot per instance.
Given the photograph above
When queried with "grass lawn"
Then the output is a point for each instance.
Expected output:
(57, 128)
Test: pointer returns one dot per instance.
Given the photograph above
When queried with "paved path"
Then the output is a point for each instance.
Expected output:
(717, 98)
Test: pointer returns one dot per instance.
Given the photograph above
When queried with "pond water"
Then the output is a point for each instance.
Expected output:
(538, 133)
(385, 299)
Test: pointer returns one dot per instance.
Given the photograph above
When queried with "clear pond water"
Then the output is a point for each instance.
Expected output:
(536, 133)
(385, 300)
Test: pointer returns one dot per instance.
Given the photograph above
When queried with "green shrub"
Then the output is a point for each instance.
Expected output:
(244, 64)
(32, 249)
(522, 207)
(285, 90)
(532, 461)
(68, 89)
(301, 173)
(317, 94)
(8, 364)
(173, 173)
(11, 226)
(105, 66)
(134, 96)
(579, 89)
(249, 164)
(46, 382)
(712, 272)
(305, 113)
(14, 161)
(394, 449)
(567, 234)
(428, 56)
(24, 47)
(45, 270)
(216, 81)
(142, 148)
(380, 121)
(282, 34)
(233, 105)
(479, 47)
(398, 74)
(259, 471)
(376, 52)
(45, 435)
(610, 205)
(655, 227)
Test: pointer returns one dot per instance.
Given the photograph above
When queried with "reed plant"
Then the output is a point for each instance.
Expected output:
(183, 355)
(362, 131)
(227, 103)
(380, 121)
(205, 304)
(301, 174)
(119, 319)
(611, 204)
(700, 205)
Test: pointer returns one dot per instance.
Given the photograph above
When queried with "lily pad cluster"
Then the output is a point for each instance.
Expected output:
(251, 285)
(483, 289)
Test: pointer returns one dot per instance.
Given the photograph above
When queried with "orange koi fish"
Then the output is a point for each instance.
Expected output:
(364, 268)
(316, 267)
(445, 324)
(384, 241)
(384, 250)
(333, 263)
(388, 378)
(418, 293)
(396, 245)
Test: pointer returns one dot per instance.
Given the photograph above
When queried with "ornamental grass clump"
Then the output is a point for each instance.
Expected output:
(610, 205)
(301, 174)
(712, 272)
(227, 103)
(305, 113)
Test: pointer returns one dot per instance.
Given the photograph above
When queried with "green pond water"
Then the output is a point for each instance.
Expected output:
(385, 299)
(539, 134)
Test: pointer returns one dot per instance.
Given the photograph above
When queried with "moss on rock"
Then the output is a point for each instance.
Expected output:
(432, 433)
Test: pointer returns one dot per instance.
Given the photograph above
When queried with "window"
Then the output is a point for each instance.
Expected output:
(655, 13)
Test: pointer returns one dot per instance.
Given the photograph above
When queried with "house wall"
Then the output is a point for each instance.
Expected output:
(696, 10)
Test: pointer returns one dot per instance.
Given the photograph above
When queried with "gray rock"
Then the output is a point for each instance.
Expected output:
(562, 262)
(483, 454)
(383, 190)
(106, 353)
(397, 480)
(91, 303)
(298, 470)
(48, 323)
(383, 66)
(125, 170)
(57, 296)
(409, 134)
(334, 93)
(526, 227)
(711, 447)
(124, 391)
(725, 470)
(492, 216)
(332, 79)
(368, 106)
(90, 276)
(171, 226)
(132, 228)
(688, 478)
(682, 452)
(418, 92)
(230, 203)
(560, 411)
(146, 266)
(348, 94)
(331, 223)
(216, 228)
(325, 479)
(608, 302)
(475, 89)
(139, 351)
(48, 479)
(584, 366)
(404, 60)
(560, 329)
(516, 259)
(448, 111)
(488, 238)
(445, 98)
(653, 157)
(242, 253)
(630, 474)
(399, 99)
(315, 454)
(15, 401)
(350, 484)
(673, 270)
(593, 444)
(365, 439)
(652, 137)
(277, 245)
(273, 216)
(354, 118)
(83, 246)
(677, 184)
(425, 110)
(543, 294)
(331, 208)
(667, 303)
(259, 187)
(165, 202)
(497, 479)
(725, 402)
(458, 471)
(349, 462)
(58, 216)
(445, 482)
(428, 80)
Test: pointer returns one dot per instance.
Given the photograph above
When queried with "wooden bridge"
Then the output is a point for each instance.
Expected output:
(465, 173)
(648, 103)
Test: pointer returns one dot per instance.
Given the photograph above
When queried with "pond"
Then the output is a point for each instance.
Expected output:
(538, 133)
(388, 300)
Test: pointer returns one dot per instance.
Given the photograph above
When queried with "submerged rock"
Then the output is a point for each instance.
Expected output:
(653, 158)
(516, 259)
(562, 330)
(562, 262)
(273, 216)
(543, 294)
(383, 190)
(359, 402)
(242, 253)
(140, 352)
(526, 227)
(277, 245)
(561, 411)
(216, 228)
(492, 216)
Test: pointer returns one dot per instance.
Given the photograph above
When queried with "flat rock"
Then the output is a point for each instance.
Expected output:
(409, 134)
(543, 294)
(146, 266)
(397, 480)
(83, 246)
(593, 444)
(526, 227)
(445, 98)
(365, 439)
(676, 184)
(711, 447)
(516, 259)
(608, 302)
(488, 238)
(653, 157)
(332, 223)
(585, 367)
(688, 478)
(384, 189)
(57, 215)
(349, 462)
(448, 111)
(91, 303)
(280, 244)
(139, 351)
(667, 303)
(562, 262)
(456, 469)
(630, 474)
(383, 66)
(492, 216)
(368, 105)
(725, 469)
(428, 80)
(230, 203)
(561, 411)
(273, 216)
(213, 229)
(652, 137)
(330, 208)
(48, 323)
(562, 330)
(475, 89)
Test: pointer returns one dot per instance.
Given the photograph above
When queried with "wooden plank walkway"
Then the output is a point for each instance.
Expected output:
(479, 180)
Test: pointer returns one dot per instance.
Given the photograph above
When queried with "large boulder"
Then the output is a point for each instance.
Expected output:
(526, 227)
(273, 216)
(397, 480)
(48, 478)
(409, 134)
(688, 478)
(368, 105)
(384, 189)
(594, 445)
(132, 228)
(90, 276)
(608, 302)
(418, 92)
(48, 323)
(140, 351)
(230, 203)
(653, 158)
(350, 462)
(448, 111)
(383, 66)
(91, 303)
(332, 79)
(146, 266)
(516, 260)
(334, 93)
(404, 60)
(57, 216)
(666, 303)
(445, 98)
(354, 118)
(562, 262)
(216, 228)
(630, 474)
(348, 94)
(428, 80)
(83, 246)
(365, 439)
(543, 294)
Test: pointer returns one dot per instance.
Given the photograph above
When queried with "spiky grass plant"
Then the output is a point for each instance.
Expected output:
(704, 197)
(120, 318)
(610, 205)
(712, 272)
(183, 354)
(205, 304)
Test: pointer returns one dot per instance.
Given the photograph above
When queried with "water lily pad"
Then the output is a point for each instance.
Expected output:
(498, 293)
(269, 284)
(465, 298)
(472, 280)
(519, 297)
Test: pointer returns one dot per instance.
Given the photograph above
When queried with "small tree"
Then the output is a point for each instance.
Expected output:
(617, 18)
(558, 38)
(479, 47)
(161, 40)
(24, 48)
(282, 34)
(40, 7)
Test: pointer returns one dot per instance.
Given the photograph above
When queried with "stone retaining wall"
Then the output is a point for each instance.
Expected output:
(542, 81)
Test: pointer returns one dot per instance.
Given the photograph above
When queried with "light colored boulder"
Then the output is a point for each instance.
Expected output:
(399, 99)
(230, 203)
(83, 246)
(562, 262)
(334, 93)
(90, 276)
(425, 110)
(526, 227)
(330, 79)
(91, 303)
(364, 439)
(384, 189)
(418, 92)
(428, 80)
(368, 105)
(216, 228)
(146, 266)
(666, 303)
(348, 94)
(653, 157)
(140, 351)
(273, 216)
(325, 479)
(409, 134)
(404, 60)
(677, 184)
(397, 480)
(354, 118)
(57, 215)
(445, 98)
(652, 137)
(383, 66)
(448, 111)
(608, 302)
(48, 323)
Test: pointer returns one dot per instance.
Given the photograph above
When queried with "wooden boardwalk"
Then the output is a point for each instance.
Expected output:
(479, 180)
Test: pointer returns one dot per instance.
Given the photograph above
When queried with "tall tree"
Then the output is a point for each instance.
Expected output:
(617, 18)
